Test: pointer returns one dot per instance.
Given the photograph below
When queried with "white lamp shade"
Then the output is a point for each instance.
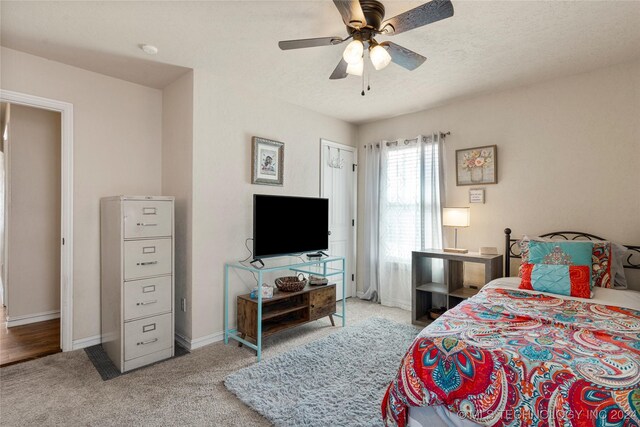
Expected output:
(356, 69)
(456, 217)
(353, 52)
(380, 58)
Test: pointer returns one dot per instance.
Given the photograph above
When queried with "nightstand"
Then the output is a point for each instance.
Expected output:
(427, 294)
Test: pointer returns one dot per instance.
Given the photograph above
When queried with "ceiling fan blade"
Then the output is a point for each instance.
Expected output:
(341, 70)
(302, 43)
(351, 12)
(404, 57)
(422, 15)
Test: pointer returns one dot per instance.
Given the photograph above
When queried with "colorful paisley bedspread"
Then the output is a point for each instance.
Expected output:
(511, 358)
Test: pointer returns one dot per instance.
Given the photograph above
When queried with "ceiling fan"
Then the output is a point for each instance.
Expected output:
(364, 21)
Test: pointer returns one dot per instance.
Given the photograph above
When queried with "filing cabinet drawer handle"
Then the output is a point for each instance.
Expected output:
(144, 224)
(147, 302)
(148, 342)
(148, 263)
(149, 328)
(149, 289)
(149, 211)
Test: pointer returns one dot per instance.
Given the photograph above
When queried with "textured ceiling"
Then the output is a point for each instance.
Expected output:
(486, 45)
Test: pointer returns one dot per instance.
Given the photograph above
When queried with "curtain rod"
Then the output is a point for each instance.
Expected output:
(443, 135)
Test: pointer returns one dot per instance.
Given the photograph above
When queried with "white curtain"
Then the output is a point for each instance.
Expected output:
(411, 199)
(372, 172)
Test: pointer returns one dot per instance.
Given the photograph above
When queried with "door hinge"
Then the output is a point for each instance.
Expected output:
(353, 222)
(63, 240)
(353, 167)
(353, 277)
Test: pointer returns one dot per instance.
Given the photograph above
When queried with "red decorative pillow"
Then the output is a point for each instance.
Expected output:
(601, 267)
(570, 280)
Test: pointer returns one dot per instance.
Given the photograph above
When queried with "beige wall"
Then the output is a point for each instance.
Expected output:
(117, 150)
(177, 181)
(569, 151)
(33, 269)
(225, 119)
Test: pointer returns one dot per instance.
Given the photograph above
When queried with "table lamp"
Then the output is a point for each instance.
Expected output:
(456, 217)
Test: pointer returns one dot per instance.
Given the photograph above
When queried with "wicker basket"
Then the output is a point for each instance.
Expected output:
(434, 313)
(291, 283)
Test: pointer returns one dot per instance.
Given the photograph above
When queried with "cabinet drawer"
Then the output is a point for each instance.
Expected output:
(146, 336)
(151, 218)
(322, 302)
(144, 258)
(147, 297)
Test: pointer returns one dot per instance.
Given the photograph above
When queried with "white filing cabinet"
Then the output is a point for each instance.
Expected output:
(137, 289)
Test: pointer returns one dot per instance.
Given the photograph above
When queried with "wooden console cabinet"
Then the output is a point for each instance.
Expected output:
(285, 310)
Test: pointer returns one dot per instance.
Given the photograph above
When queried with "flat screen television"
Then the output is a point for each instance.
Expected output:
(286, 225)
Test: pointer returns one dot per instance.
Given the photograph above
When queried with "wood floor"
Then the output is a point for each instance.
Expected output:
(26, 342)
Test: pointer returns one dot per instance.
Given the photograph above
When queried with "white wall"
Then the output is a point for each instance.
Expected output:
(33, 269)
(117, 150)
(569, 151)
(177, 181)
(225, 119)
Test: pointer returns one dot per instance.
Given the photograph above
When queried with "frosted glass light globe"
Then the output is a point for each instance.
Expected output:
(356, 69)
(353, 52)
(380, 58)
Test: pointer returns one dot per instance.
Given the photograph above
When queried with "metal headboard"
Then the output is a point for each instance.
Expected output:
(512, 249)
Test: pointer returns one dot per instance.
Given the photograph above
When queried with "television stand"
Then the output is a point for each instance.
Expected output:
(272, 316)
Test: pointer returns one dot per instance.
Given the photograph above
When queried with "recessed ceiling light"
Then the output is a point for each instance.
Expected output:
(149, 49)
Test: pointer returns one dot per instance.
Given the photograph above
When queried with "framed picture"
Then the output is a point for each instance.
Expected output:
(267, 161)
(477, 166)
(476, 195)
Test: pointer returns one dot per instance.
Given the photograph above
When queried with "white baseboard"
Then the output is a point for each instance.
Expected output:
(192, 344)
(187, 343)
(86, 342)
(32, 318)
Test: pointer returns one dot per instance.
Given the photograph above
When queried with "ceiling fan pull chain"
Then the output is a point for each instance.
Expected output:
(365, 70)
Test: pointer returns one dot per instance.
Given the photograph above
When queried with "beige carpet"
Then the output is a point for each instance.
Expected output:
(66, 389)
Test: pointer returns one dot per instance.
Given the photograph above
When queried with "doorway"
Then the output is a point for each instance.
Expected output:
(31, 228)
(59, 228)
(338, 183)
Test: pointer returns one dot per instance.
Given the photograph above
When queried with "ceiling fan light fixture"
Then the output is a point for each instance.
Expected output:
(356, 69)
(380, 58)
(353, 52)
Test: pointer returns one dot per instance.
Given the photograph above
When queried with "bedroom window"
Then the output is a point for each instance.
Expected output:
(407, 204)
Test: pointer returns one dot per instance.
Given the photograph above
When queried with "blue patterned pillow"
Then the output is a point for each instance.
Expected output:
(562, 268)
(560, 253)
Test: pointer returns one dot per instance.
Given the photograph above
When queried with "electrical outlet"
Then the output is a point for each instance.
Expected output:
(183, 304)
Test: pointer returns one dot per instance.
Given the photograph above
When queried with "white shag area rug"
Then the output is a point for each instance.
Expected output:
(338, 380)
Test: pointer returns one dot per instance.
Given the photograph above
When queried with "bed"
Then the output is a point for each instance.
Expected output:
(509, 356)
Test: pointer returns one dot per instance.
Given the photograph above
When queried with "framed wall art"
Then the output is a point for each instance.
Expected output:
(267, 161)
(476, 195)
(477, 166)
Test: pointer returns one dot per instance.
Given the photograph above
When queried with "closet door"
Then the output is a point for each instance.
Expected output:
(338, 180)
